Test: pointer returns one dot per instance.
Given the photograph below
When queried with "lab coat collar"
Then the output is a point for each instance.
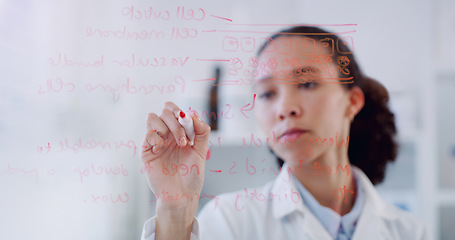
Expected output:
(284, 185)
(311, 224)
(372, 223)
(376, 212)
(373, 201)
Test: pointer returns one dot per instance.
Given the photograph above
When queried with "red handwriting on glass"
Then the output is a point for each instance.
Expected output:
(56, 86)
(151, 62)
(177, 33)
(309, 151)
(247, 107)
(302, 46)
(233, 44)
(251, 195)
(273, 140)
(211, 143)
(327, 170)
(221, 114)
(161, 144)
(226, 114)
(116, 90)
(146, 168)
(320, 69)
(181, 169)
(64, 146)
(183, 33)
(34, 172)
(237, 82)
(190, 14)
(270, 141)
(236, 69)
(251, 169)
(149, 13)
(348, 41)
(342, 192)
(66, 61)
(184, 169)
(166, 197)
(109, 198)
(45, 149)
(125, 34)
(131, 89)
(101, 170)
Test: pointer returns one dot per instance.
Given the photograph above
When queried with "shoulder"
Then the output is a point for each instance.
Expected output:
(404, 224)
(395, 222)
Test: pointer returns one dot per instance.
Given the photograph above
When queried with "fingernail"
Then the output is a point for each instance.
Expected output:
(154, 149)
(197, 116)
(182, 142)
(176, 113)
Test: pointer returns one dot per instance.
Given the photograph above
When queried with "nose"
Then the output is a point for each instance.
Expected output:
(289, 108)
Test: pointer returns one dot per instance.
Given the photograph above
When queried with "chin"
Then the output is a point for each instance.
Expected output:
(295, 157)
(300, 149)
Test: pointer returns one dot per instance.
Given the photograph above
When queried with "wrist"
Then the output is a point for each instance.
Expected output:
(175, 223)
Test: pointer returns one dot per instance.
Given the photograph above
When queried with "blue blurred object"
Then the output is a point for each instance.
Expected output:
(403, 206)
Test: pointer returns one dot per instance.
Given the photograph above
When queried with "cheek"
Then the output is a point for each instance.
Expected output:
(330, 108)
(334, 110)
(314, 106)
(263, 116)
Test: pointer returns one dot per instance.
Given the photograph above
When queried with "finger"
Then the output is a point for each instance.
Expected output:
(202, 131)
(177, 111)
(155, 123)
(173, 108)
(153, 143)
(174, 126)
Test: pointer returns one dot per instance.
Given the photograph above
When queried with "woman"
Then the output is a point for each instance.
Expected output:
(312, 101)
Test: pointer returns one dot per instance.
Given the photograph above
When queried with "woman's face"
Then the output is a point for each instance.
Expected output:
(299, 115)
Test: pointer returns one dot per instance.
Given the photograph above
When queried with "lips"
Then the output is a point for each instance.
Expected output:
(292, 133)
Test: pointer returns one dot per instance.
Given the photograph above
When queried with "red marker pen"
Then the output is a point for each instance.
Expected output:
(187, 124)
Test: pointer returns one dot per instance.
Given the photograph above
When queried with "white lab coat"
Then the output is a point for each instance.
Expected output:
(276, 211)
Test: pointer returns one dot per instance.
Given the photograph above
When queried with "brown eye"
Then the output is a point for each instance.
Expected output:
(266, 95)
(308, 85)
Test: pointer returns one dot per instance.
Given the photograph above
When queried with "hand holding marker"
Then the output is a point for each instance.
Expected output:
(187, 124)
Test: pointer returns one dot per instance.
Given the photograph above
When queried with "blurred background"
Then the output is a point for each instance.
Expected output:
(73, 102)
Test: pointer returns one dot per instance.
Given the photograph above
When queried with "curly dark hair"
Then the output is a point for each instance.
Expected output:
(373, 131)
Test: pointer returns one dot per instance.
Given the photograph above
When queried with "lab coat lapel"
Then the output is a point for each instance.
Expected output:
(371, 224)
(289, 213)
(313, 228)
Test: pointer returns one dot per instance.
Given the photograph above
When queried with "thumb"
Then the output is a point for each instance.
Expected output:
(202, 133)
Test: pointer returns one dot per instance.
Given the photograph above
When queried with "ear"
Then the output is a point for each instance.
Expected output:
(356, 101)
